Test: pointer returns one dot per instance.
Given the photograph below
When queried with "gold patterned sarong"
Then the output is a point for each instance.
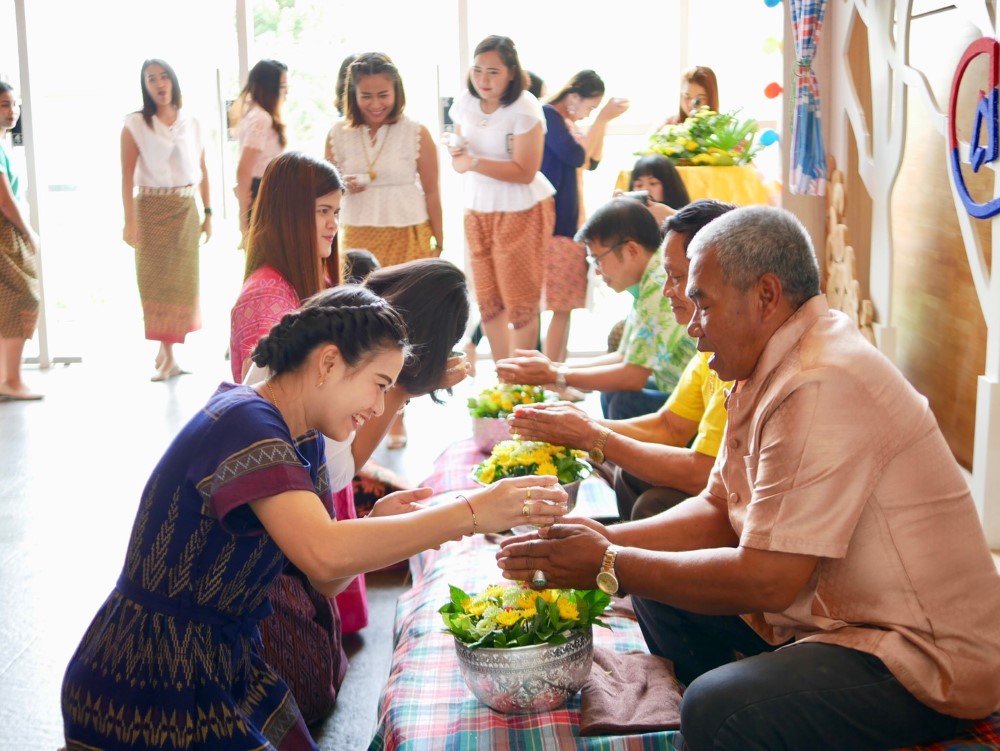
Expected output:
(19, 289)
(390, 245)
(166, 265)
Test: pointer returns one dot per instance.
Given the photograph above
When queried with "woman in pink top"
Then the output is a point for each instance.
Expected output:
(289, 241)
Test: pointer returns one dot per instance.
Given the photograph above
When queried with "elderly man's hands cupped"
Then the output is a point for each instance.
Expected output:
(569, 555)
(560, 423)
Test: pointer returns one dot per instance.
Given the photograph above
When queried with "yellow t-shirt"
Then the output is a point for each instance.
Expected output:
(700, 396)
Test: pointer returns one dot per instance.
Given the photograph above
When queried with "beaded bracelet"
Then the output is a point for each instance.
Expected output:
(475, 521)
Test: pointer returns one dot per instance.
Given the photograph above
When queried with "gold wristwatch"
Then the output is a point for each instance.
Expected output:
(596, 454)
(607, 582)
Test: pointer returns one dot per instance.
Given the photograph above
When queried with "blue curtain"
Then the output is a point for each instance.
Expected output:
(808, 172)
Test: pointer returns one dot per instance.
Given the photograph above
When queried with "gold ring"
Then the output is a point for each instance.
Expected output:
(528, 497)
(525, 511)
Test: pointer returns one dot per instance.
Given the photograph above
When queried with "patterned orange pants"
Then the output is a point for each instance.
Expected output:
(565, 274)
(507, 259)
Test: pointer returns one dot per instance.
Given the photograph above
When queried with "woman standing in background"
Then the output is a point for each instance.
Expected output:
(163, 164)
(261, 131)
(699, 88)
(509, 211)
(389, 163)
(19, 245)
(390, 167)
(567, 150)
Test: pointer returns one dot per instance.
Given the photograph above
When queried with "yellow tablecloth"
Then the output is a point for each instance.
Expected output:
(739, 185)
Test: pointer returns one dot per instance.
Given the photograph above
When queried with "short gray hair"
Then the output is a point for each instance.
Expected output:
(755, 240)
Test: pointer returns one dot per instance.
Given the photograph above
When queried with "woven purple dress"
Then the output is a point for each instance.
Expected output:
(172, 659)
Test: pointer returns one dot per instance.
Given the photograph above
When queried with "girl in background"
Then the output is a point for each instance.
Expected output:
(163, 164)
(699, 88)
(509, 212)
(567, 150)
(261, 131)
(19, 292)
(658, 176)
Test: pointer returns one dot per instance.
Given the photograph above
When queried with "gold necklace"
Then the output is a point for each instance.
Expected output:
(271, 392)
(372, 174)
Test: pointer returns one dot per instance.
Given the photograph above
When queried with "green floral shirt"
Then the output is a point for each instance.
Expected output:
(652, 338)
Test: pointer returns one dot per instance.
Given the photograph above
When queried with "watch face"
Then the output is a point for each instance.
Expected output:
(607, 582)
(596, 456)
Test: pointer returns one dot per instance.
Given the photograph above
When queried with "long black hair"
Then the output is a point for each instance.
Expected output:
(432, 295)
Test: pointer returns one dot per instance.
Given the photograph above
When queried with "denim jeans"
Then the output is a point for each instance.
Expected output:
(809, 696)
(621, 405)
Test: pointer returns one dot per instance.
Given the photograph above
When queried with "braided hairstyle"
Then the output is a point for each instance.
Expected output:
(358, 321)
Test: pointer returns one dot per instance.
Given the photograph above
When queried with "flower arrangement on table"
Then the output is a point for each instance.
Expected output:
(516, 458)
(715, 139)
(500, 400)
(518, 616)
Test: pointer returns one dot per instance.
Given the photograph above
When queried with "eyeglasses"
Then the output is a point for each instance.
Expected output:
(595, 261)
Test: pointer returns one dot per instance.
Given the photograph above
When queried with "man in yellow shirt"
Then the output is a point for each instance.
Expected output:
(664, 457)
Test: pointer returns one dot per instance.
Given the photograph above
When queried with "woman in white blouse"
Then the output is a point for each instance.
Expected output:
(509, 212)
(163, 165)
(390, 165)
(261, 130)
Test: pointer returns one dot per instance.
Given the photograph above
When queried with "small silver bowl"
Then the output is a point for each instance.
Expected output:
(528, 679)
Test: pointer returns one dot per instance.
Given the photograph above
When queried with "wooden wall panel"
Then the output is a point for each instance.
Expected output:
(941, 331)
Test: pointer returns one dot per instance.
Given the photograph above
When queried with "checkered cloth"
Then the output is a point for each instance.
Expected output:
(425, 703)
(983, 736)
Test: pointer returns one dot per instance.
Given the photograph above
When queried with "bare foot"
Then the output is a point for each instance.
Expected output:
(167, 371)
(18, 392)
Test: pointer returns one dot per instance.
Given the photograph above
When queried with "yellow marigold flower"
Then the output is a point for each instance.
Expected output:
(506, 404)
(691, 145)
(529, 612)
(567, 609)
(475, 608)
(547, 468)
(549, 595)
(508, 617)
(526, 600)
(494, 590)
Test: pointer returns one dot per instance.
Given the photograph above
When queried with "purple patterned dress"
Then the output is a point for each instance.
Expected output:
(172, 659)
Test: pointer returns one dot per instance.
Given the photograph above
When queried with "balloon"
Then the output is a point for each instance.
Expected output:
(772, 90)
(768, 137)
(772, 45)
(771, 3)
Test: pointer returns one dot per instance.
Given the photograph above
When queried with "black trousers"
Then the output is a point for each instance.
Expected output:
(807, 697)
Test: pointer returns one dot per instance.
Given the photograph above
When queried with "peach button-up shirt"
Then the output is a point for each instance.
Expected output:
(830, 452)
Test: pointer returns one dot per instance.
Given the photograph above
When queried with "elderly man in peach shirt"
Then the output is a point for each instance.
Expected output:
(836, 548)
